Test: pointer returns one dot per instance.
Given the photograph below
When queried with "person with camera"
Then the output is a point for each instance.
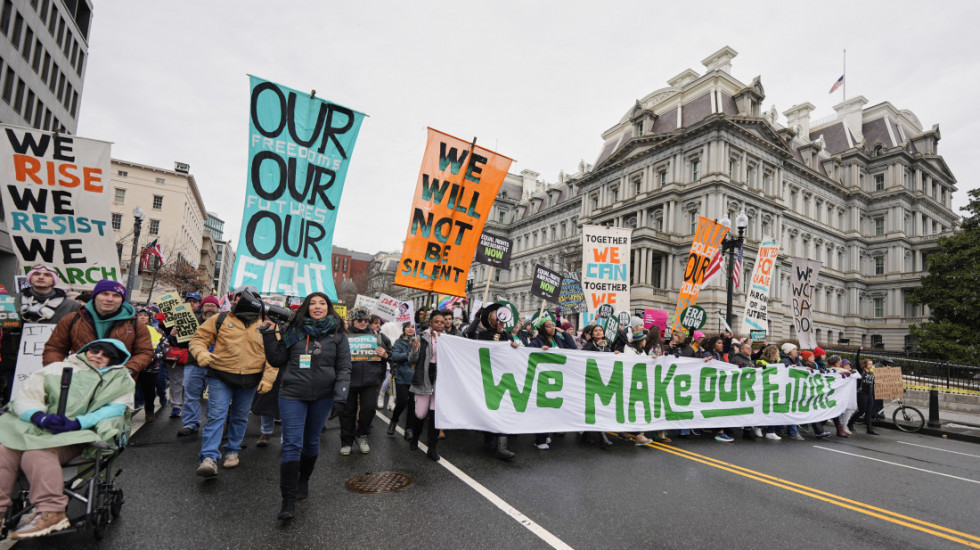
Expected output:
(367, 372)
(234, 354)
(313, 356)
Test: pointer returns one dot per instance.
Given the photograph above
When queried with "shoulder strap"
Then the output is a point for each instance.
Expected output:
(217, 324)
(78, 315)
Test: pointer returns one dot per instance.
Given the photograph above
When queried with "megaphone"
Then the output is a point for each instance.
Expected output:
(250, 303)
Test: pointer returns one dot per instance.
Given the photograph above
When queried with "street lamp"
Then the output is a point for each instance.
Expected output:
(138, 216)
(730, 244)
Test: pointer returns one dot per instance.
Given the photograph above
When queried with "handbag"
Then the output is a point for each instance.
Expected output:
(177, 355)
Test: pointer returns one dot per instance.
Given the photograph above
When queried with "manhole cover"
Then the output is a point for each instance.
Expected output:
(379, 483)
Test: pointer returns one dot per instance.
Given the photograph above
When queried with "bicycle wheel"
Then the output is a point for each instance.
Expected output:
(908, 419)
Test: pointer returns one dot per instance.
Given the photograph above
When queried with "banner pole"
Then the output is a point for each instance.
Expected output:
(486, 289)
(541, 309)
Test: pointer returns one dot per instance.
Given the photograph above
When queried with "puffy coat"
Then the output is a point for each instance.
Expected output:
(239, 351)
(742, 360)
(328, 374)
(46, 311)
(400, 365)
(424, 379)
(369, 373)
(77, 329)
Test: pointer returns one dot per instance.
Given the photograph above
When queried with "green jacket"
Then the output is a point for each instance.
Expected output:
(90, 391)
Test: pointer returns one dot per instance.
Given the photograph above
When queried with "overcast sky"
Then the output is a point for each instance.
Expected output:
(534, 80)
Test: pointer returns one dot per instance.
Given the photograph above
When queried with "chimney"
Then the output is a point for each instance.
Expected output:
(798, 116)
(530, 182)
(721, 60)
(851, 112)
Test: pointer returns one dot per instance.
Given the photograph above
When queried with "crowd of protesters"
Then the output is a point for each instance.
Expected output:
(300, 373)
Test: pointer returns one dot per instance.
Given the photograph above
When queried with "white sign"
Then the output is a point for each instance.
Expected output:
(29, 354)
(756, 315)
(802, 281)
(365, 301)
(56, 195)
(605, 268)
(390, 308)
(493, 387)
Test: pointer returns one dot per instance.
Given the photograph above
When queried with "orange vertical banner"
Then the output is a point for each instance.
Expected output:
(707, 239)
(456, 188)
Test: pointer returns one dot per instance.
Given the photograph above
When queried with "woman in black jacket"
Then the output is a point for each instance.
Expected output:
(313, 357)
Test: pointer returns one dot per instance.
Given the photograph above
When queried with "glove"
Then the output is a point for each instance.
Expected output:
(335, 410)
(41, 420)
(264, 387)
(67, 425)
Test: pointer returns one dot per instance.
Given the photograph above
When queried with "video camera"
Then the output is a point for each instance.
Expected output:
(250, 303)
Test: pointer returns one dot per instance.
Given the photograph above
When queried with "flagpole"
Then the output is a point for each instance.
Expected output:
(845, 74)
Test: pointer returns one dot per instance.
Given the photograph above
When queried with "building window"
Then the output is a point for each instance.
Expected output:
(336, 263)
(876, 341)
(501, 217)
(120, 196)
(637, 184)
(154, 227)
(879, 182)
(614, 194)
(123, 173)
(157, 202)
(879, 225)
(694, 222)
(879, 265)
(117, 221)
(879, 305)
(695, 169)
(663, 177)
(161, 180)
(595, 202)
(345, 265)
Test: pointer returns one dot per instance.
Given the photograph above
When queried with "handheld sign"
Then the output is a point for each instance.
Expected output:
(624, 318)
(9, 318)
(494, 251)
(546, 284)
(604, 311)
(757, 335)
(693, 317)
(572, 297)
(363, 347)
(184, 322)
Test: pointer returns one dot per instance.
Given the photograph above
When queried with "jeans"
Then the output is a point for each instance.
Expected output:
(229, 402)
(302, 422)
(195, 378)
(267, 424)
(353, 425)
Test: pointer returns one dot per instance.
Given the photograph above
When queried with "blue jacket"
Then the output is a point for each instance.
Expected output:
(400, 366)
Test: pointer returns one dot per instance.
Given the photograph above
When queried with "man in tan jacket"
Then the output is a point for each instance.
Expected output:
(230, 346)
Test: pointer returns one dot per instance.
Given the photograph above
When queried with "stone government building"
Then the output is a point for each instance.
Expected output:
(864, 191)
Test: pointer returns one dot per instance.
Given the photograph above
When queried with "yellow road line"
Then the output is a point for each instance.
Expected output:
(830, 498)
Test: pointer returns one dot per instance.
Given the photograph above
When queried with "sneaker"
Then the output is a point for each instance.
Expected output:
(758, 432)
(724, 438)
(263, 440)
(797, 437)
(642, 440)
(823, 435)
(186, 430)
(175, 412)
(41, 524)
(230, 461)
(345, 450)
(772, 436)
(541, 446)
(362, 442)
(695, 432)
(208, 468)
(548, 441)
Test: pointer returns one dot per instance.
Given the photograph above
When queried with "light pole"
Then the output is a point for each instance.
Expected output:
(730, 244)
(138, 216)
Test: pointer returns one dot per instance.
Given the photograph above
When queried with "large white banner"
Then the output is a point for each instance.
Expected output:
(605, 268)
(32, 341)
(493, 387)
(55, 190)
(756, 315)
(802, 281)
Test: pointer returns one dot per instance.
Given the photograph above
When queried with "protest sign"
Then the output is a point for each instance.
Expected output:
(365, 301)
(572, 297)
(757, 335)
(707, 239)
(184, 322)
(605, 267)
(546, 283)
(540, 318)
(56, 200)
(655, 317)
(888, 383)
(494, 388)
(363, 347)
(20, 282)
(757, 302)
(802, 280)
(475, 309)
(9, 318)
(494, 251)
(448, 214)
(693, 317)
(341, 310)
(298, 155)
(32, 340)
(406, 313)
(387, 307)
(167, 303)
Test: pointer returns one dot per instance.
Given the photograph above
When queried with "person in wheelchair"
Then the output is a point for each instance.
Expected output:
(38, 440)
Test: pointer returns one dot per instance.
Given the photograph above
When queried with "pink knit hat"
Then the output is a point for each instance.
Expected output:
(39, 268)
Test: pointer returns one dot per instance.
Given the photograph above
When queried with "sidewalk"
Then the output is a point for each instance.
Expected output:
(957, 425)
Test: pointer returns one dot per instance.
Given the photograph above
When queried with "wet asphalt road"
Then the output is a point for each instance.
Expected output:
(917, 492)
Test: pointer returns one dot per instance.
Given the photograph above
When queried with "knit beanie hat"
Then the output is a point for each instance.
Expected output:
(806, 355)
(788, 347)
(109, 285)
(818, 351)
(210, 300)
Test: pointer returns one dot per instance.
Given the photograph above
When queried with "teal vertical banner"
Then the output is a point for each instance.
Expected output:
(299, 147)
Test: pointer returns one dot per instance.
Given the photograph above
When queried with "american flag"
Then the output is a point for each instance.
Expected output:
(737, 272)
(714, 267)
(150, 250)
(838, 84)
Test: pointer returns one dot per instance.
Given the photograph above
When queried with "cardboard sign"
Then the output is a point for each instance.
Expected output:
(707, 239)
(889, 383)
(756, 317)
(9, 317)
(29, 354)
(546, 283)
(299, 149)
(457, 185)
(363, 347)
(167, 303)
(802, 280)
(184, 323)
(572, 297)
(494, 250)
(605, 267)
(56, 199)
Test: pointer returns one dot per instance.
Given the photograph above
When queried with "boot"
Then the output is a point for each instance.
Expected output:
(840, 431)
(502, 452)
(433, 435)
(392, 424)
(871, 431)
(604, 442)
(288, 479)
(416, 432)
(306, 465)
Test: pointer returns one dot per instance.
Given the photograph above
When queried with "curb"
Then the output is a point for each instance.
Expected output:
(938, 432)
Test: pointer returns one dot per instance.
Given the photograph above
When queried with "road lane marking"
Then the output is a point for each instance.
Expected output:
(514, 513)
(938, 449)
(830, 498)
(897, 464)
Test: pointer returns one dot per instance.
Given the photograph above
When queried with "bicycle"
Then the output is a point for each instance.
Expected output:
(905, 417)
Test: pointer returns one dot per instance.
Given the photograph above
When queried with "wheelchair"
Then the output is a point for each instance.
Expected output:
(94, 500)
